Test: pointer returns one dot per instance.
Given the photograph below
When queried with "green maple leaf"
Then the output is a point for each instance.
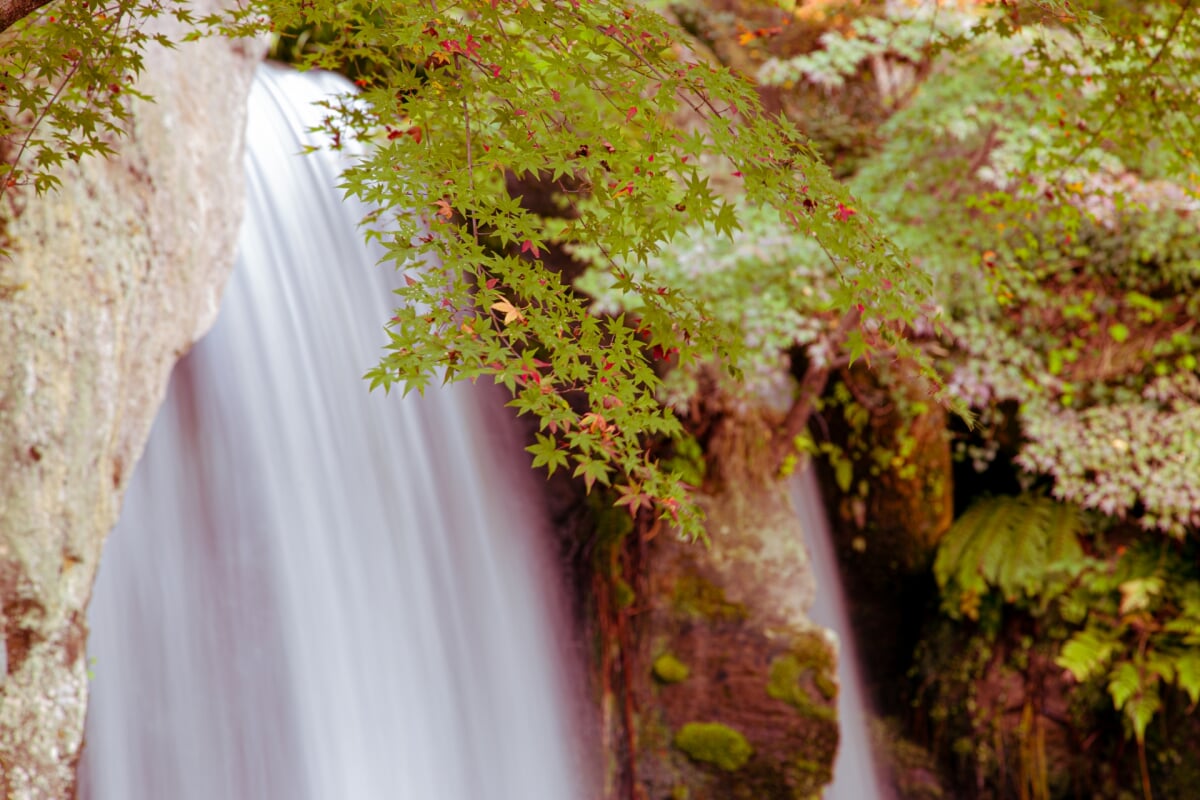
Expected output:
(547, 453)
(592, 471)
(726, 221)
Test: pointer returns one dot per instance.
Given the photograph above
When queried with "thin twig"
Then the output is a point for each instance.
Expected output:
(470, 163)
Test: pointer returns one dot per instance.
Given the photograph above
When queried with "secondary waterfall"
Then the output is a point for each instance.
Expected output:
(315, 592)
(855, 770)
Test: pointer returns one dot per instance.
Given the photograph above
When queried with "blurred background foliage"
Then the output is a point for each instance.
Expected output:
(1036, 160)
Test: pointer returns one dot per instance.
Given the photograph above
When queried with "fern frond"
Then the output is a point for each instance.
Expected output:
(1024, 546)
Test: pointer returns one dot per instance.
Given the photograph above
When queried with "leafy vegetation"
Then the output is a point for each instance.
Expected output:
(1122, 619)
(67, 74)
(1019, 165)
(1023, 547)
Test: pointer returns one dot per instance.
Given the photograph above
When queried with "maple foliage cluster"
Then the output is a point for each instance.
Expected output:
(587, 98)
(67, 74)
(646, 141)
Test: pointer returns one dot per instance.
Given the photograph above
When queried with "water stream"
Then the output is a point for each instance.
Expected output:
(315, 592)
(856, 774)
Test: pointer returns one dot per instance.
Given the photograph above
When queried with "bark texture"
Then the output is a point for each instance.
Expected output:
(110, 281)
(12, 11)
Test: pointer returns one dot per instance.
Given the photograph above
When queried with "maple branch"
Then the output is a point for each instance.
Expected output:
(470, 162)
(812, 386)
(13, 11)
(41, 116)
(660, 76)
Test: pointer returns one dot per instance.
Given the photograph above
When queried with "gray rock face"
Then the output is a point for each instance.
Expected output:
(111, 279)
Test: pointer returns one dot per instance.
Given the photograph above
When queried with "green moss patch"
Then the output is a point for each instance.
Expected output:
(809, 664)
(669, 669)
(700, 598)
(623, 594)
(714, 743)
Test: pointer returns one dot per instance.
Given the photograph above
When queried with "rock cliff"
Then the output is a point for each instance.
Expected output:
(109, 280)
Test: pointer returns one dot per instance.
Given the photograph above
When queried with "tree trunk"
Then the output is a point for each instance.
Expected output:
(12, 11)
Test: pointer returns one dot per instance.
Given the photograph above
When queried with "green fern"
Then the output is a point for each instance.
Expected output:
(1026, 547)
(1141, 636)
(1088, 652)
(1134, 690)
(1187, 673)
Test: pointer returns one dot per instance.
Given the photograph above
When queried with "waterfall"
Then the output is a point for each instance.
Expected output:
(316, 593)
(856, 773)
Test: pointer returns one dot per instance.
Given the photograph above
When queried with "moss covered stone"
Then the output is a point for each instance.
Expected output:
(714, 743)
(669, 669)
(703, 599)
(810, 663)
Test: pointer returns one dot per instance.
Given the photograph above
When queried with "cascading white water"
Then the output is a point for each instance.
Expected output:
(856, 774)
(315, 592)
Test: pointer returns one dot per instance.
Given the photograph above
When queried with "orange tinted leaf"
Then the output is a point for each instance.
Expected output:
(511, 313)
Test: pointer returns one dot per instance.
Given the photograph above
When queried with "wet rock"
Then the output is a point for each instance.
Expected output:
(111, 278)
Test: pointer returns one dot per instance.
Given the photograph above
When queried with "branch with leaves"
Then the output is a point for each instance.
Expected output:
(69, 71)
(457, 98)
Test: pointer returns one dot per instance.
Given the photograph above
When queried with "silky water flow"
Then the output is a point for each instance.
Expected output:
(856, 772)
(317, 593)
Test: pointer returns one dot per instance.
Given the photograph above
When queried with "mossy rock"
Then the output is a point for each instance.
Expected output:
(669, 669)
(723, 611)
(810, 663)
(810, 778)
(714, 743)
(703, 599)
